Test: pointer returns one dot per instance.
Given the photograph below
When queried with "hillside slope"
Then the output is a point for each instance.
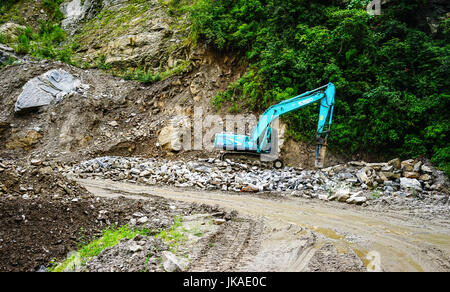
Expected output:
(390, 70)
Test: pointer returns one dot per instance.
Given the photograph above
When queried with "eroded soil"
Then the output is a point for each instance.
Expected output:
(33, 232)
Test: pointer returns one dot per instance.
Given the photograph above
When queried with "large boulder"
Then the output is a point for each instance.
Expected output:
(366, 175)
(172, 263)
(397, 163)
(357, 198)
(50, 87)
(411, 174)
(410, 183)
(343, 194)
(177, 132)
(281, 136)
(134, 49)
(408, 165)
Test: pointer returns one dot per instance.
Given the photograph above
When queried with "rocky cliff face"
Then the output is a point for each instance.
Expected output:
(108, 115)
(434, 13)
(77, 11)
(125, 34)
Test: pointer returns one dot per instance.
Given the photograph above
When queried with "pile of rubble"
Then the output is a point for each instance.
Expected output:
(38, 180)
(140, 254)
(349, 182)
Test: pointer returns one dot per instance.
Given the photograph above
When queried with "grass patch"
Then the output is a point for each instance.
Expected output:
(43, 41)
(52, 9)
(101, 63)
(176, 8)
(141, 75)
(375, 195)
(110, 23)
(175, 235)
(9, 11)
(110, 237)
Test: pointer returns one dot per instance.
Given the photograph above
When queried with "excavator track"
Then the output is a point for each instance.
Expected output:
(252, 158)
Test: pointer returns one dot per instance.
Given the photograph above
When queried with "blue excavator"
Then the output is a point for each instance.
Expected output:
(263, 140)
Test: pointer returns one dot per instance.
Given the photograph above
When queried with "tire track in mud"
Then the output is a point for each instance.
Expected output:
(308, 235)
(227, 249)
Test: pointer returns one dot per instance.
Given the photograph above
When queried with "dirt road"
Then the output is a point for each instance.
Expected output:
(293, 234)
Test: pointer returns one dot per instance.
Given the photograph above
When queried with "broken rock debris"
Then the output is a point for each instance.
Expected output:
(353, 183)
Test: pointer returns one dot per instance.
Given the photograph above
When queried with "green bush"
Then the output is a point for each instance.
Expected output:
(391, 74)
(52, 9)
(45, 40)
(45, 43)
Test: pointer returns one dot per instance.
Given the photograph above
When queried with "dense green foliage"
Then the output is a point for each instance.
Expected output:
(391, 75)
(6, 15)
(6, 4)
(45, 40)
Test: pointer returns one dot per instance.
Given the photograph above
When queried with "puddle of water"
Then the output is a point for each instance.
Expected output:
(326, 232)
(343, 244)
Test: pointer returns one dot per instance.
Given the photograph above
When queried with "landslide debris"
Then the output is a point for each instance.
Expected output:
(107, 115)
(139, 254)
(353, 182)
(37, 180)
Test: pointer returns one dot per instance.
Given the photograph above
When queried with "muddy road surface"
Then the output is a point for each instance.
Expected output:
(293, 234)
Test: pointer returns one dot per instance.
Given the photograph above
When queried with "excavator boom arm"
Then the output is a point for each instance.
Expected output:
(260, 141)
(262, 131)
